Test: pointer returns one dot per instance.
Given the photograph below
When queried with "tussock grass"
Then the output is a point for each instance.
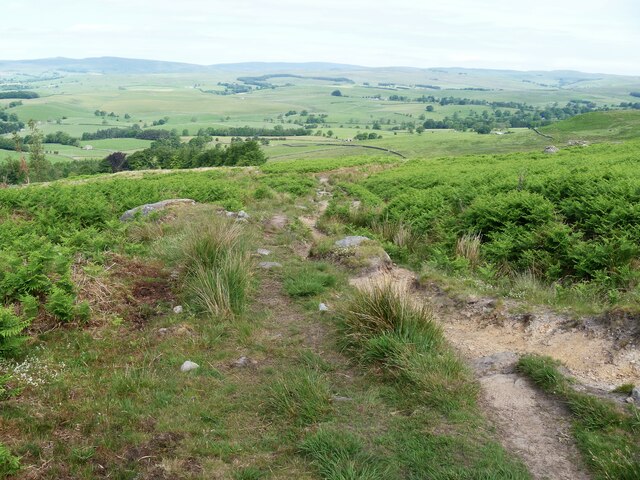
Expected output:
(382, 328)
(302, 396)
(397, 232)
(217, 268)
(468, 246)
(608, 437)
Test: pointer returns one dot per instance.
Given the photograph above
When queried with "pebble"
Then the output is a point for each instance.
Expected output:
(188, 366)
(269, 265)
(323, 307)
(178, 309)
(264, 251)
(244, 362)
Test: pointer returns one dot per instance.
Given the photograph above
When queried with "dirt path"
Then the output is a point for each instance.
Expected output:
(530, 424)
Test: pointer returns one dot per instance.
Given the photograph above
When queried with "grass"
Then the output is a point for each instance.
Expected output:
(301, 396)
(217, 268)
(340, 455)
(607, 436)
(383, 328)
(308, 279)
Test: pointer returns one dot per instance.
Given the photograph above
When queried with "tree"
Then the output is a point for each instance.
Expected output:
(429, 108)
(336, 93)
(39, 166)
(115, 162)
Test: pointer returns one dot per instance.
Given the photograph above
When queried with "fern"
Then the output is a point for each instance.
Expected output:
(9, 464)
(11, 327)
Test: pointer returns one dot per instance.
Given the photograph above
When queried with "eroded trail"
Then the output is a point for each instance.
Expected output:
(531, 425)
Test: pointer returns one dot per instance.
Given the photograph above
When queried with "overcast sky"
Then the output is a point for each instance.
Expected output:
(588, 35)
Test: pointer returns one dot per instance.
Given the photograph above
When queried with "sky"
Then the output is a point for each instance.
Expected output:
(588, 35)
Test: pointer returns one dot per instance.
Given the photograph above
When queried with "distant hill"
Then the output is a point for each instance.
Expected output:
(118, 65)
(106, 65)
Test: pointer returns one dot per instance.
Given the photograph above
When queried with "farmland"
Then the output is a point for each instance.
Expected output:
(484, 232)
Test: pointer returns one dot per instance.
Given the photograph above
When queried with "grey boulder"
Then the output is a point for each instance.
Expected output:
(145, 210)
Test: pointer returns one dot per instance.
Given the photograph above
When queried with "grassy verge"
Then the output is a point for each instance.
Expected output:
(608, 437)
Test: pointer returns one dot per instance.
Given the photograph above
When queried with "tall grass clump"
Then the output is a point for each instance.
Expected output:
(384, 329)
(608, 437)
(468, 246)
(217, 268)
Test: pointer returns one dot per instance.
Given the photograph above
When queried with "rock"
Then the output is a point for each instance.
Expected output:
(145, 210)
(188, 366)
(323, 307)
(243, 214)
(177, 309)
(635, 394)
(263, 251)
(163, 331)
(277, 222)
(551, 149)
(231, 214)
(269, 265)
(352, 241)
(243, 362)
(502, 362)
(629, 400)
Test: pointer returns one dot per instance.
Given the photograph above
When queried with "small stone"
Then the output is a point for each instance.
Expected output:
(188, 366)
(243, 362)
(264, 251)
(629, 400)
(269, 265)
(338, 398)
(231, 214)
(323, 307)
(177, 309)
(163, 331)
(635, 394)
(243, 214)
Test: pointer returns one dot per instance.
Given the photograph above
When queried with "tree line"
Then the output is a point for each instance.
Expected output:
(171, 153)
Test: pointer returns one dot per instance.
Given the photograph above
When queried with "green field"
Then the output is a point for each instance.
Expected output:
(68, 104)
